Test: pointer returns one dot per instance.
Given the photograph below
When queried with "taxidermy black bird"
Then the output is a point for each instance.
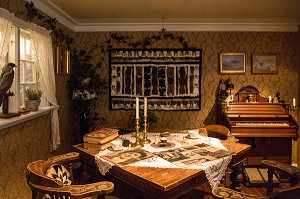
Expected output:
(6, 79)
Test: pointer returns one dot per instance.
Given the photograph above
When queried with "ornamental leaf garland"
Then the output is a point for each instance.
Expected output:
(85, 84)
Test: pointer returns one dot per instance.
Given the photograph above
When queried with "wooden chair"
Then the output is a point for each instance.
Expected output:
(51, 179)
(219, 131)
(292, 173)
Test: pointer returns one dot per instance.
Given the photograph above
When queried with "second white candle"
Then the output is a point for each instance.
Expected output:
(145, 106)
(137, 107)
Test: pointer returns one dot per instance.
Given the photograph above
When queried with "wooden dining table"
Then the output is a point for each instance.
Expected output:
(170, 183)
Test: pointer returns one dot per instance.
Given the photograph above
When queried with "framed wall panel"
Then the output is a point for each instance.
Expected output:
(170, 78)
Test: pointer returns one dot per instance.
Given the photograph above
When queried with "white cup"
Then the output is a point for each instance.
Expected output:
(193, 133)
(163, 139)
(116, 144)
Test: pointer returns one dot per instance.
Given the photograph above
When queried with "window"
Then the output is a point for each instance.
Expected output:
(20, 51)
(28, 75)
(16, 47)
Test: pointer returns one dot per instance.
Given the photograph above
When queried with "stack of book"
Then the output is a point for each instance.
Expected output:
(100, 139)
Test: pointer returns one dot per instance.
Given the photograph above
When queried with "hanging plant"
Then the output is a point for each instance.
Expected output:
(85, 85)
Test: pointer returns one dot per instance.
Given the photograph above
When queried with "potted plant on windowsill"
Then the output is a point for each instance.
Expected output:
(33, 99)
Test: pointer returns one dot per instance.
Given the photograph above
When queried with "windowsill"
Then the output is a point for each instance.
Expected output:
(5, 123)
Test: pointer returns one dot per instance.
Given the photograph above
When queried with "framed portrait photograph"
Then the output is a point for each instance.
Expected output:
(265, 63)
(232, 63)
(62, 61)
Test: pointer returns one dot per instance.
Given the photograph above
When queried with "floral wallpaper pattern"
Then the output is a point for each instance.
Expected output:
(29, 141)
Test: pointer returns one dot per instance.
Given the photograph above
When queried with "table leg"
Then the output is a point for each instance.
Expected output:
(236, 177)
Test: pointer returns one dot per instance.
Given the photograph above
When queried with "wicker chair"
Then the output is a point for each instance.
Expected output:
(51, 179)
(292, 173)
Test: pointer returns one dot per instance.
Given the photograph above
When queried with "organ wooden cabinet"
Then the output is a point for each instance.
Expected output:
(267, 127)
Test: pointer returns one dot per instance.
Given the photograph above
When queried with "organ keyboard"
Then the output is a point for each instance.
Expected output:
(259, 124)
(268, 127)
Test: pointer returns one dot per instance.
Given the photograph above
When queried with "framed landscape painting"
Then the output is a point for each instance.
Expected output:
(232, 63)
(265, 63)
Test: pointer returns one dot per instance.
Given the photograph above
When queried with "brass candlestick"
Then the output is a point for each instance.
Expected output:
(291, 108)
(137, 134)
(145, 139)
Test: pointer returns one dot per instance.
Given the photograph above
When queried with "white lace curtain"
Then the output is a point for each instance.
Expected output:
(43, 62)
(5, 32)
(42, 45)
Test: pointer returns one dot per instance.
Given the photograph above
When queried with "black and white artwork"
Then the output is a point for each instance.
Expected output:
(169, 78)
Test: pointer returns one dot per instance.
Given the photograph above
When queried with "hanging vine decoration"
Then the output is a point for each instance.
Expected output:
(66, 41)
(83, 77)
(162, 35)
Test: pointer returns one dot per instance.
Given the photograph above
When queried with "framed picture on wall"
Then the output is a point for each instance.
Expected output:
(232, 63)
(62, 61)
(264, 63)
(169, 78)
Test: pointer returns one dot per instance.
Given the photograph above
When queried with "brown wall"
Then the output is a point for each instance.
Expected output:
(212, 43)
(20, 145)
(29, 141)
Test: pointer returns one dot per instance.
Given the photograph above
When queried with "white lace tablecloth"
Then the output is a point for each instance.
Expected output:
(214, 169)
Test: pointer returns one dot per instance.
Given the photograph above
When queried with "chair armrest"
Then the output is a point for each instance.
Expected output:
(222, 192)
(93, 189)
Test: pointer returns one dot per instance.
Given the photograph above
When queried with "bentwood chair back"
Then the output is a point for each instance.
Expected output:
(50, 179)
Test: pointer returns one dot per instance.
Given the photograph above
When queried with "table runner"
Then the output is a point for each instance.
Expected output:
(214, 170)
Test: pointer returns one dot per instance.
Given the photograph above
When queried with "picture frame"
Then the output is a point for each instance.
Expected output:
(232, 63)
(169, 78)
(265, 63)
(62, 61)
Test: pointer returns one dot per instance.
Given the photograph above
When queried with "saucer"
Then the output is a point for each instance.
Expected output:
(163, 145)
(189, 137)
(111, 149)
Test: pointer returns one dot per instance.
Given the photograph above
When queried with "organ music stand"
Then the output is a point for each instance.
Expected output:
(5, 114)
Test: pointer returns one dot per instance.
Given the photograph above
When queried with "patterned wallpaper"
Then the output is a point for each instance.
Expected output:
(26, 142)
(20, 145)
(212, 44)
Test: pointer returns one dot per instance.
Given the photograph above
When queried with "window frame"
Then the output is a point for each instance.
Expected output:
(14, 56)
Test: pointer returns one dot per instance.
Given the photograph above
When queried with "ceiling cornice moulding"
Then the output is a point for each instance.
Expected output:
(72, 24)
(187, 27)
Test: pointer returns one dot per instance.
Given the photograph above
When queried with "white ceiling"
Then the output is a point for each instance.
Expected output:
(176, 15)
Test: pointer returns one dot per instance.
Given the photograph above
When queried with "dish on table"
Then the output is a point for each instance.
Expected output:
(111, 149)
(189, 137)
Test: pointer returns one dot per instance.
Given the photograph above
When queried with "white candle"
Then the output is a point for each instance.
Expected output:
(270, 98)
(137, 107)
(145, 106)
(294, 102)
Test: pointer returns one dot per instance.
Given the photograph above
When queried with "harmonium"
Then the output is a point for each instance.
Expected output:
(267, 127)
